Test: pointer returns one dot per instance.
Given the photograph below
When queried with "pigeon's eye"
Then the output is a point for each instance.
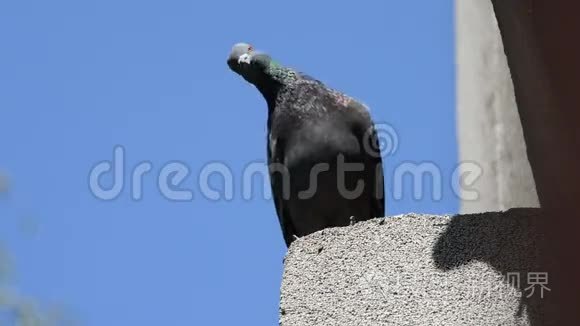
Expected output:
(250, 48)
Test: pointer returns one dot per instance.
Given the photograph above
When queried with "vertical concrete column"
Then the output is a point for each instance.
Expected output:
(488, 124)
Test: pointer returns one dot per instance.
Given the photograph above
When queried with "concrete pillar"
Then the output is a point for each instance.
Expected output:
(488, 124)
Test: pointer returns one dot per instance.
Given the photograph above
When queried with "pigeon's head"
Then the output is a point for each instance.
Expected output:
(249, 63)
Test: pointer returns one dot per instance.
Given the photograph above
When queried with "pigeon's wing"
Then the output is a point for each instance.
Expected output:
(280, 187)
(365, 131)
(376, 177)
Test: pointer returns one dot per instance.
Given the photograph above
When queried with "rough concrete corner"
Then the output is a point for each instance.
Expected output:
(417, 270)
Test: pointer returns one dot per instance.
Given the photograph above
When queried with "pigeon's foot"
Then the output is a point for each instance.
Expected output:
(353, 220)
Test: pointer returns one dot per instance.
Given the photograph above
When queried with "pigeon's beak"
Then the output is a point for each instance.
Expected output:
(245, 58)
(239, 62)
(232, 62)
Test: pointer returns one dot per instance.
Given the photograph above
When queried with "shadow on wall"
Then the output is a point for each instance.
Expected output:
(509, 245)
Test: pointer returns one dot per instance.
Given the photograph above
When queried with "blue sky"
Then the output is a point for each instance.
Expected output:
(79, 78)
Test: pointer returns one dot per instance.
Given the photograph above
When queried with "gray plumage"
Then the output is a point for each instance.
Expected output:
(318, 140)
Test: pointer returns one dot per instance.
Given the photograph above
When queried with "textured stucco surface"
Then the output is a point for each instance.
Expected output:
(488, 125)
(416, 270)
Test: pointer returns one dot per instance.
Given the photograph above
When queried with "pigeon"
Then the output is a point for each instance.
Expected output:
(323, 152)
